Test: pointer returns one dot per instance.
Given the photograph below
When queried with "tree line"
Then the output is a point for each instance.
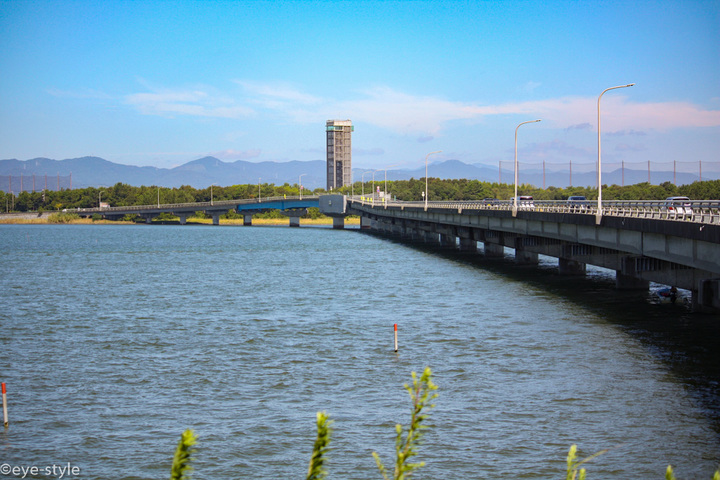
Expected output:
(121, 194)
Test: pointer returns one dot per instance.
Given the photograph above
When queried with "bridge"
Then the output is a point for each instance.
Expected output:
(294, 207)
(641, 241)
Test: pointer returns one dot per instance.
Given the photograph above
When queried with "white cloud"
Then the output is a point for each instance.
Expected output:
(236, 154)
(187, 102)
(422, 116)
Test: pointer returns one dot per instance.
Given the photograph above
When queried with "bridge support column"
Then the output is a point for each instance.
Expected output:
(216, 218)
(468, 245)
(448, 240)
(183, 218)
(338, 223)
(247, 220)
(493, 250)
(707, 297)
(571, 267)
(431, 238)
(294, 221)
(365, 223)
(523, 257)
(626, 279)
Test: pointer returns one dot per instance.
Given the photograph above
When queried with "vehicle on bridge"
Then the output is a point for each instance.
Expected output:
(577, 203)
(678, 206)
(524, 202)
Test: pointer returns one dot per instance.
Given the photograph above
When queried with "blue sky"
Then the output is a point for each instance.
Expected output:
(161, 83)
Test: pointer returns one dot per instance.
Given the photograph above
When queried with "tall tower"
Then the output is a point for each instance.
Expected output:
(339, 153)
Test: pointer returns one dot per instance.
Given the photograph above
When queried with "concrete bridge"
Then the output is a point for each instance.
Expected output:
(294, 207)
(641, 241)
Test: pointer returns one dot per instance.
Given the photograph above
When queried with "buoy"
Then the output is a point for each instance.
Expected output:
(396, 348)
(4, 395)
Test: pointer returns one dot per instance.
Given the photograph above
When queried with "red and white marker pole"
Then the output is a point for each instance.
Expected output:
(4, 395)
(395, 338)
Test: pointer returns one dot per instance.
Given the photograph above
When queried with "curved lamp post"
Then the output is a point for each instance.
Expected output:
(598, 215)
(515, 207)
(427, 194)
(386, 169)
(363, 181)
(300, 184)
(211, 193)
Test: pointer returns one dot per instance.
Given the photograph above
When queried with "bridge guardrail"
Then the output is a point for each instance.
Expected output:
(698, 211)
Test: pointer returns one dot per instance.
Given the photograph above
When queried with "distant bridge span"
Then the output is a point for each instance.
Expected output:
(294, 207)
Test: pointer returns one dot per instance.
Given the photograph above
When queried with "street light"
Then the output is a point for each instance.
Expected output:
(259, 189)
(514, 207)
(211, 193)
(99, 198)
(374, 182)
(598, 214)
(300, 184)
(386, 169)
(427, 194)
(363, 181)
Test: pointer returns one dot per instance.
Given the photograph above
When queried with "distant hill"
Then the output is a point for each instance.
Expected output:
(200, 173)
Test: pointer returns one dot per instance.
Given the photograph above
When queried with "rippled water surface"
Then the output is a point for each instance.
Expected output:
(115, 339)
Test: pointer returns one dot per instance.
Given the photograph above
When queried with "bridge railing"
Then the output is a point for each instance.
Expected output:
(697, 211)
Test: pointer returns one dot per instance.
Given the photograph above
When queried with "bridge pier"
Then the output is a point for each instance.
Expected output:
(295, 215)
(494, 250)
(182, 217)
(448, 240)
(216, 218)
(707, 297)
(626, 278)
(247, 219)
(468, 245)
(338, 223)
(365, 222)
(523, 257)
(571, 267)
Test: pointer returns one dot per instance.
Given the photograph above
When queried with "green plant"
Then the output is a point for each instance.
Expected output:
(316, 470)
(181, 467)
(573, 464)
(421, 394)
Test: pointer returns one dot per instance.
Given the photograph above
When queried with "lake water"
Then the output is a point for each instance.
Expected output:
(115, 339)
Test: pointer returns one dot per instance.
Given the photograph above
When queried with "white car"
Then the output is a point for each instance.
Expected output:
(678, 206)
(524, 202)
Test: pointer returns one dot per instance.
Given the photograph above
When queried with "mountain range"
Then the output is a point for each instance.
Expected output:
(203, 172)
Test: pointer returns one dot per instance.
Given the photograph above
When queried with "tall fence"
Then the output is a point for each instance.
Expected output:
(35, 183)
(569, 174)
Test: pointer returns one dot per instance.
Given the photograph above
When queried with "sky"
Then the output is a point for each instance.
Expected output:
(162, 83)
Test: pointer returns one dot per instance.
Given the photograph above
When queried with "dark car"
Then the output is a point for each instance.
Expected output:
(577, 203)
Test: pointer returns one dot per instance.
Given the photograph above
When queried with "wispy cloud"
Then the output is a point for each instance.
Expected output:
(424, 116)
(192, 102)
(579, 126)
(236, 154)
